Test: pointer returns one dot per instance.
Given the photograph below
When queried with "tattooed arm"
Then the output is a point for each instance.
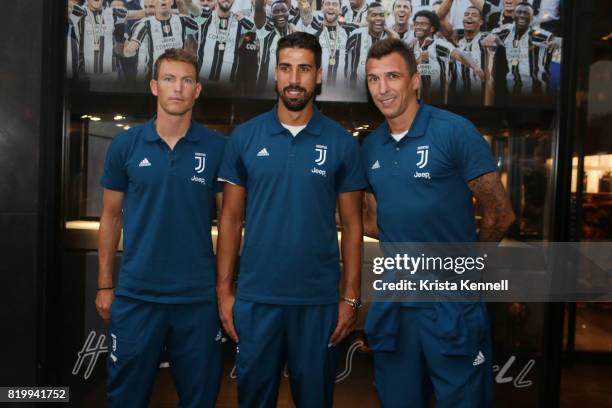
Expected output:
(497, 214)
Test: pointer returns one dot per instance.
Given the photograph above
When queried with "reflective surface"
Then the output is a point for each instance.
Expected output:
(591, 328)
(20, 132)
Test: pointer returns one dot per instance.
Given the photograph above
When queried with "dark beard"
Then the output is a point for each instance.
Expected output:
(224, 9)
(295, 105)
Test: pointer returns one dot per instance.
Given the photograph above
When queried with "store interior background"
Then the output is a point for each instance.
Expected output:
(555, 158)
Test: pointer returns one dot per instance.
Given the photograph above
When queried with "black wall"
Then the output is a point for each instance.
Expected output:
(29, 148)
(20, 131)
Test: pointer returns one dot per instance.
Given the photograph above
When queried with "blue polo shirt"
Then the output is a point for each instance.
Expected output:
(168, 206)
(290, 253)
(420, 185)
(420, 182)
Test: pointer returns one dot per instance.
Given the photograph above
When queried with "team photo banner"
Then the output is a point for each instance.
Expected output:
(503, 53)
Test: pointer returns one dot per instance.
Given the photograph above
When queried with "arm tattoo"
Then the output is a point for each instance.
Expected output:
(497, 211)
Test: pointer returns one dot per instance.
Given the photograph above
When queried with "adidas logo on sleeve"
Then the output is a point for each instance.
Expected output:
(480, 358)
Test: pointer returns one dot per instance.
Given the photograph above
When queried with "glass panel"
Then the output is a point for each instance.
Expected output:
(594, 169)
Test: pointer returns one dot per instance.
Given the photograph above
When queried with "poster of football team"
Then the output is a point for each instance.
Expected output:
(475, 52)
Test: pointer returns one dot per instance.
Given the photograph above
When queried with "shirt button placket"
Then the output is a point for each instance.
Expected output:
(292, 147)
(290, 166)
(396, 161)
(172, 161)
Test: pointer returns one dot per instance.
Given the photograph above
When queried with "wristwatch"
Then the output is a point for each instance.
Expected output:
(355, 303)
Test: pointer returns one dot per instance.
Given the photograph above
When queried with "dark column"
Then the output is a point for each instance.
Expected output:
(29, 143)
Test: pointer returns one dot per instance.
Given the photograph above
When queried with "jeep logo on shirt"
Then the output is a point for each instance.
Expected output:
(319, 172)
(200, 180)
(422, 175)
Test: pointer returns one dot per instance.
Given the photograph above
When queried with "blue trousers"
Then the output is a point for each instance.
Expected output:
(440, 354)
(274, 335)
(139, 332)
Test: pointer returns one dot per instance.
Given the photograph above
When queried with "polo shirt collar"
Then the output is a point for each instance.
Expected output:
(314, 125)
(419, 124)
(151, 135)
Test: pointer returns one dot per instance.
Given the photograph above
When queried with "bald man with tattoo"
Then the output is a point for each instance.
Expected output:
(424, 167)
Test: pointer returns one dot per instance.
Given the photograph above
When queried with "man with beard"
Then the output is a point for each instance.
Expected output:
(294, 164)
(427, 348)
(149, 7)
(402, 10)
(96, 37)
(267, 37)
(361, 40)
(433, 56)
(160, 185)
(528, 51)
(153, 35)
(355, 12)
(467, 85)
(205, 5)
(333, 38)
(224, 36)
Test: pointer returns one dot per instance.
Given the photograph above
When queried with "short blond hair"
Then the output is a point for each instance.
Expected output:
(176, 54)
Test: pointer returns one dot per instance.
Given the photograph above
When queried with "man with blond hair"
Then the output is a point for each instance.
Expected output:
(159, 185)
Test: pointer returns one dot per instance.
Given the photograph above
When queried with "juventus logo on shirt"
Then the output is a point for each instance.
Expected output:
(200, 162)
(322, 150)
(166, 28)
(423, 155)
